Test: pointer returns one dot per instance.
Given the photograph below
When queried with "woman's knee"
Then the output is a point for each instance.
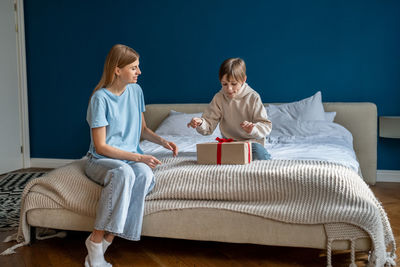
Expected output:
(143, 172)
(123, 175)
(102, 170)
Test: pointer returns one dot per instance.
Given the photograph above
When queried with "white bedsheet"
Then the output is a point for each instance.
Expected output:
(308, 140)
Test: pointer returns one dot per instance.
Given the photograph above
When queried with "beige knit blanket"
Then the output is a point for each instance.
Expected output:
(304, 192)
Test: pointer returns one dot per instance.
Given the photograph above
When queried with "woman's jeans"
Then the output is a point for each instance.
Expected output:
(259, 152)
(121, 204)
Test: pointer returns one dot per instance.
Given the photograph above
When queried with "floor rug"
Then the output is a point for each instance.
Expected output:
(11, 187)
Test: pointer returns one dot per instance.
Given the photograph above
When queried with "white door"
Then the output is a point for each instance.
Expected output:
(10, 114)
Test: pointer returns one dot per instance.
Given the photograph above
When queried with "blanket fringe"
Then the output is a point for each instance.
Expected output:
(390, 259)
(391, 256)
(353, 252)
(12, 249)
(329, 252)
(46, 235)
(343, 231)
(10, 238)
(41, 234)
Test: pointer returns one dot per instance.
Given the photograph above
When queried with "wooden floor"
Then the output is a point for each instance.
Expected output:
(71, 250)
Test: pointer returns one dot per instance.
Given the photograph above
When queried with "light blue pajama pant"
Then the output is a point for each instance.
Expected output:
(121, 204)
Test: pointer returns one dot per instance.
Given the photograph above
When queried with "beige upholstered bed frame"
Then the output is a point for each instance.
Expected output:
(227, 226)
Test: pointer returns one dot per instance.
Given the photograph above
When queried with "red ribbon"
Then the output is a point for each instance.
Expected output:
(228, 140)
(219, 147)
(224, 140)
(249, 149)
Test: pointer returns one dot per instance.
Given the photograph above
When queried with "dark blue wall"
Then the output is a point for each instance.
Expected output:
(350, 50)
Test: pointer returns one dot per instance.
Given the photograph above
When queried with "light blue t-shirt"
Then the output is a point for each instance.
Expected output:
(122, 116)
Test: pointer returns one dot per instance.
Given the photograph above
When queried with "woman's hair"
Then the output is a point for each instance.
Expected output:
(233, 68)
(119, 56)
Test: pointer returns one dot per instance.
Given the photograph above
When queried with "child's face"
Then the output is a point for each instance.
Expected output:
(130, 73)
(231, 87)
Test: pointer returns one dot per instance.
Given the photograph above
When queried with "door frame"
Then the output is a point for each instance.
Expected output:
(22, 82)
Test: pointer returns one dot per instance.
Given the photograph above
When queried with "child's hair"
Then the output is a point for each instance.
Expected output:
(119, 56)
(233, 68)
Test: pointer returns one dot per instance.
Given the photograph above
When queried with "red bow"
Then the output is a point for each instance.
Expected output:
(224, 140)
(219, 147)
(228, 140)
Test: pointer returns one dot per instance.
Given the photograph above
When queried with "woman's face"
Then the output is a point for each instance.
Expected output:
(231, 87)
(130, 73)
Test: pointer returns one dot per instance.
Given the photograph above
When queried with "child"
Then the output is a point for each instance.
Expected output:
(238, 109)
(115, 160)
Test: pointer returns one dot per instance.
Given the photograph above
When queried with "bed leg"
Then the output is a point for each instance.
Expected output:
(33, 235)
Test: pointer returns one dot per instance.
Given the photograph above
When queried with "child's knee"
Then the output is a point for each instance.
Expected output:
(259, 152)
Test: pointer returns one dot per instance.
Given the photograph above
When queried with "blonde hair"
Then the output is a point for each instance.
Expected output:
(233, 68)
(118, 56)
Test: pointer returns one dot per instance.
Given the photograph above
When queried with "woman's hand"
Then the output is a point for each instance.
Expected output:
(150, 160)
(195, 122)
(171, 146)
(247, 126)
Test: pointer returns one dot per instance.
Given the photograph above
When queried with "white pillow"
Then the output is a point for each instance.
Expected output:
(308, 109)
(289, 129)
(176, 124)
(330, 116)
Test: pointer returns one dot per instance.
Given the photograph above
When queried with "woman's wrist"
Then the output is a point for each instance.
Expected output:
(137, 157)
(162, 141)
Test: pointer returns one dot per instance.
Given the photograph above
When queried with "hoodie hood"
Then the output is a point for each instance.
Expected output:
(244, 90)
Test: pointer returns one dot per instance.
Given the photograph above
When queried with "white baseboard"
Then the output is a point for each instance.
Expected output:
(381, 175)
(388, 176)
(49, 163)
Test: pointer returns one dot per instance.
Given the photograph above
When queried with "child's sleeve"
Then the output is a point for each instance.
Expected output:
(262, 125)
(211, 117)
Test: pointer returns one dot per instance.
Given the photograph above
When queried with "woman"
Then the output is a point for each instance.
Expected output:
(115, 117)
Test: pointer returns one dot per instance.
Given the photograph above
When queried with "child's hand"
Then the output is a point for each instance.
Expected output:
(247, 126)
(195, 122)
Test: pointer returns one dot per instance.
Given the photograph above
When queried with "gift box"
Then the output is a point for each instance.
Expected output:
(225, 151)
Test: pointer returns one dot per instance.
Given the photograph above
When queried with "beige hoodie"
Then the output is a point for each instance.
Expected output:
(245, 106)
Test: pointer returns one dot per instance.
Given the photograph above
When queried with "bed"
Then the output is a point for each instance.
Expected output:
(229, 218)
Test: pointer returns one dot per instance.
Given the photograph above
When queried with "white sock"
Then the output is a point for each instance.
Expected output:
(106, 244)
(95, 253)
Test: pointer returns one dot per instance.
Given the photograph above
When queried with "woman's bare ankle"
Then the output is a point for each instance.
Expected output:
(97, 236)
(109, 237)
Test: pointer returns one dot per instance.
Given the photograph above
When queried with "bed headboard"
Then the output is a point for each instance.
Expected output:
(359, 118)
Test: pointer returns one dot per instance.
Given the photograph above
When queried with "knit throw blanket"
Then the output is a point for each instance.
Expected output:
(301, 192)
(291, 191)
